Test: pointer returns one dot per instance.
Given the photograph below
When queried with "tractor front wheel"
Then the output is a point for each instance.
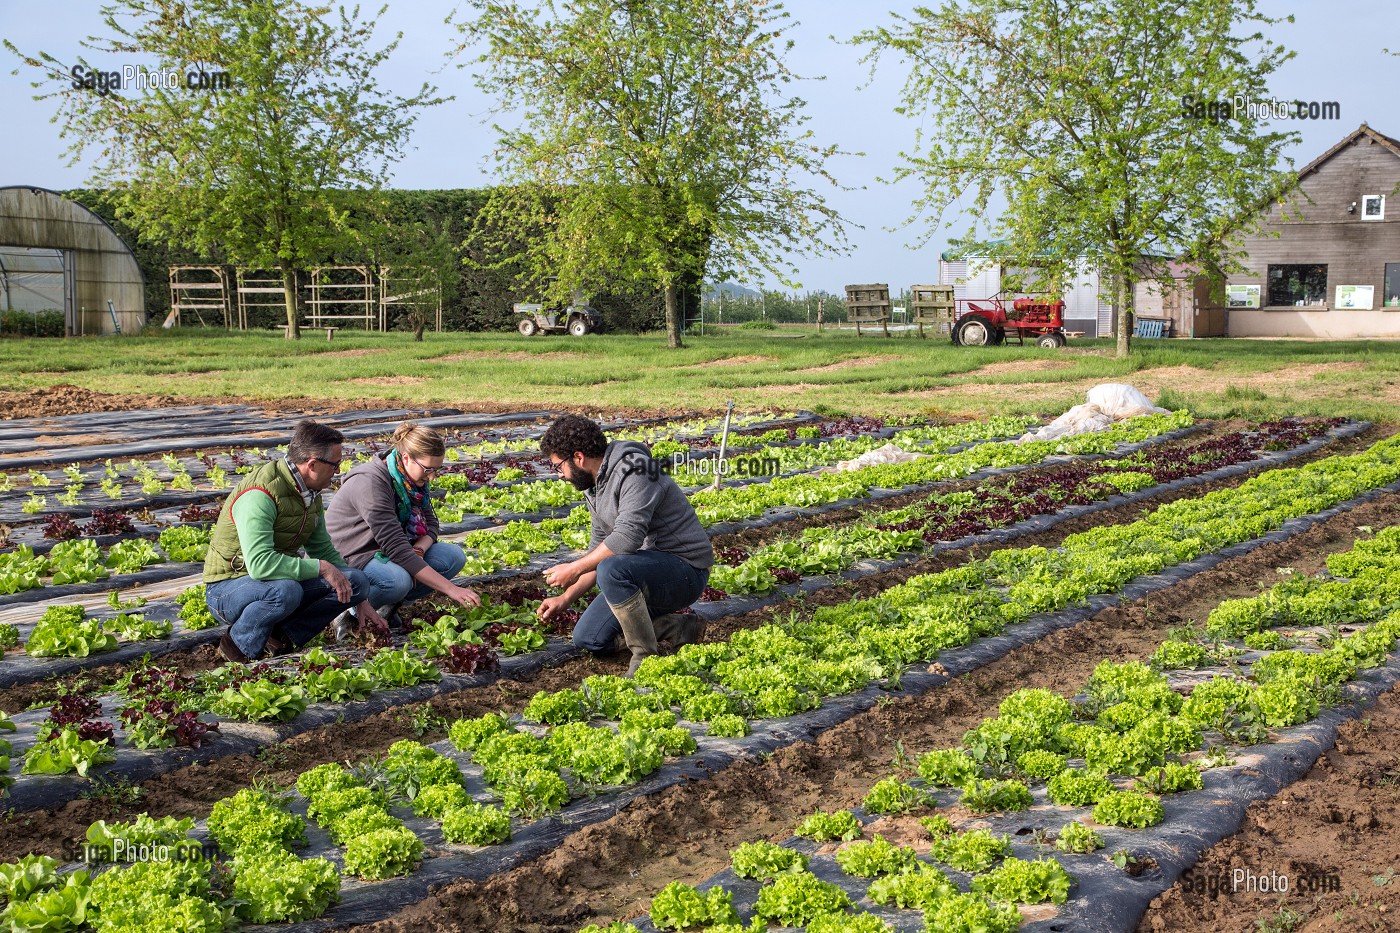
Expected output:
(1050, 341)
(528, 327)
(975, 331)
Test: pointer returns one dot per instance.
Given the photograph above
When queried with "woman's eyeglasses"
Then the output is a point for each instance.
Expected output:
(427, 470)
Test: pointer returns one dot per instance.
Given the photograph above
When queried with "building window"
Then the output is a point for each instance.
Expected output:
(1373, 207)
(1392, 286)
(1298, 286)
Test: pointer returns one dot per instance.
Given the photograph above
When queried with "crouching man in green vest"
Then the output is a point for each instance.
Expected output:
(272, 599)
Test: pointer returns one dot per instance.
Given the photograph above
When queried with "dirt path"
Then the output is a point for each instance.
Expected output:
(1335, 835)
(64, 399)
(1308, 381)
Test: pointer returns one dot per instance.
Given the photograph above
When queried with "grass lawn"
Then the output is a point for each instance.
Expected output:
(792, 367)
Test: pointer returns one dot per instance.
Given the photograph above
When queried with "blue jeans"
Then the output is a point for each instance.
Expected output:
(390, 584)
(293, 610)
(668, 583)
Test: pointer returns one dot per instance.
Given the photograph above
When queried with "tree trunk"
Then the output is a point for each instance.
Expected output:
(1125, 316)
(420, 321)
(289, 292)
(673, 321)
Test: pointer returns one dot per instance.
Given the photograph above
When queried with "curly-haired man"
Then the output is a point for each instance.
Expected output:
(647, 553)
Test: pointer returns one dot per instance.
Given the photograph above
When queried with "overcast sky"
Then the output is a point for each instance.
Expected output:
(1339, 45)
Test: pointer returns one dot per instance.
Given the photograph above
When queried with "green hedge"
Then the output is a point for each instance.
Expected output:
(474, 299)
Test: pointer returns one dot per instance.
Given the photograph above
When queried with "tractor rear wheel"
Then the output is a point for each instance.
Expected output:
(578, 327)
(975, 331)
(528, 327)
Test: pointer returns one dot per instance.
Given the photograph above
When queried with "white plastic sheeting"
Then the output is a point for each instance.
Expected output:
(886, 454)
(1106, 403)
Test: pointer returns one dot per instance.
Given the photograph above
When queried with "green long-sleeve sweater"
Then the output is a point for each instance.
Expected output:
(253, 515)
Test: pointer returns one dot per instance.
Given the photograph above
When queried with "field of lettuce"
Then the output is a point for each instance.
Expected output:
(1003, 685)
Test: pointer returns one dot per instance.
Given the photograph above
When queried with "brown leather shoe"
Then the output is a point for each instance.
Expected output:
(275, 647)
(229, 651)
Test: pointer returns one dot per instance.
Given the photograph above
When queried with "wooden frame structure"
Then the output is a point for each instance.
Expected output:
(199, 289)
(335, 295)
(933, 305)
(343, 293)
(254, 282)
(868, 304)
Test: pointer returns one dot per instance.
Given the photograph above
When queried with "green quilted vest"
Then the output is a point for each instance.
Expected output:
(293, 525)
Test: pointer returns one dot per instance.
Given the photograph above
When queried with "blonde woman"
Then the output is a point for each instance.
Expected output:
(382, 521)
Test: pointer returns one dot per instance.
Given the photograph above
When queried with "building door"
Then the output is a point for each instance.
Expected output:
(1206, 319)
(70, 292)
(1210, 322)
(35, 282)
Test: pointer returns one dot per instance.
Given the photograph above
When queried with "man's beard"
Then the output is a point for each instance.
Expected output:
(580, 479)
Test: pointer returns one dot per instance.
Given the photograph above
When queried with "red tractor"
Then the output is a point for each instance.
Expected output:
(985, 322)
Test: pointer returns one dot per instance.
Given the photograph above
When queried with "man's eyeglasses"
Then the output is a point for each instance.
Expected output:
(557, 465)
(333, 464)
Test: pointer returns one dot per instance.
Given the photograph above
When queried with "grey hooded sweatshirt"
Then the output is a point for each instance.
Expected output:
(363, 516)
(635, 507)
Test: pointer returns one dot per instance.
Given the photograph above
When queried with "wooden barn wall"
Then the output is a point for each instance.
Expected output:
(1354, 250)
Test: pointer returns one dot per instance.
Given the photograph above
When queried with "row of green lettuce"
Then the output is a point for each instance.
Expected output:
(82, 561)
(465, 499)
(789, 459)
(735, 503)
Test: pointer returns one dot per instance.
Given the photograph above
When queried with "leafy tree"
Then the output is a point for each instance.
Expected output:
(420, 257)
(656, 141)
(253, 170)
(1082, 114)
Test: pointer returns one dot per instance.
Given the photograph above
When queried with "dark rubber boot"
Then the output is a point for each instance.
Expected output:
(635, 620)
(680, 629)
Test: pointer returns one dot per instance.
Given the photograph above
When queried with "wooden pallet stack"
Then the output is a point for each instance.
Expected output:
(868, 304)
(933, 305)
